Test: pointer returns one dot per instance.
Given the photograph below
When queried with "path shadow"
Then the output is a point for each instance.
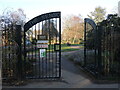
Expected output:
(72, 67)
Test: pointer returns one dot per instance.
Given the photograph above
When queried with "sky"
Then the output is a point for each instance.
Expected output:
(33, 8)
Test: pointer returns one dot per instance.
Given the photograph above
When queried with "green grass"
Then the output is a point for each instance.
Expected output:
(64, 48)
(70, 49)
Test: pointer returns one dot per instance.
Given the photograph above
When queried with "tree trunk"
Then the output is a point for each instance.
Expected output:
(74, 39)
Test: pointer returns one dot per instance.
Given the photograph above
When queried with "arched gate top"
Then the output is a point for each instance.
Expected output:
(40, 18)
(91, 22)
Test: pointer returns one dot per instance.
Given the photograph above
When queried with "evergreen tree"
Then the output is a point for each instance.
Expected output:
(98, 14)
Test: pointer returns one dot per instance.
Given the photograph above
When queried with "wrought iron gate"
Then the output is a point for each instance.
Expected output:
(90, 46)
(102, 47)
(42, 46)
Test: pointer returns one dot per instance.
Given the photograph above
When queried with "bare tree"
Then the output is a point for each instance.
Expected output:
(8, 20)
(11, 17)
(72, 29)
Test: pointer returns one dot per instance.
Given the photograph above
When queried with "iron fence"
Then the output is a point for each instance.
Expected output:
(10, 52)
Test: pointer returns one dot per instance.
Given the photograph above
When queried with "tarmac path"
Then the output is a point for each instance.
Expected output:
(72, 77)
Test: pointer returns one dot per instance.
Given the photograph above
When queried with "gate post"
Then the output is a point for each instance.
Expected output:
(19, 56)
(60, 45)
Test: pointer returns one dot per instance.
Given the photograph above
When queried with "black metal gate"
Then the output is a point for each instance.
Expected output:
(90, 46)
(102, 47)
(42, 46)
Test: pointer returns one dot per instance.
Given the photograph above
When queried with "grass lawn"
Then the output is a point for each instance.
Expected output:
(64, 48)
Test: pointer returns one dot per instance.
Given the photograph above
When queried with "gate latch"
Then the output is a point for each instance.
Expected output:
(56, 47)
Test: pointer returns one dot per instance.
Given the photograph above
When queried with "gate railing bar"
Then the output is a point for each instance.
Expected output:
(52, 47)
(9, 48)
(56, 53)
(42, 57)
(28, 54)
(99, 49)
(35, 73)
(25, 54)
(5, 47)
(33, 51)
(38, 51)
(2, 38)
(95, 47)
(85, 25)
(47, 54)
(49, 46)
(60, 46)
(13, 57)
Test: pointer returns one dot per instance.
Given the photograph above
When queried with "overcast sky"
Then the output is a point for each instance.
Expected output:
(34, 8)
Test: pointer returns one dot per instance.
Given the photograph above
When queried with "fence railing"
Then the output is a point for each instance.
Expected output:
(11, 53)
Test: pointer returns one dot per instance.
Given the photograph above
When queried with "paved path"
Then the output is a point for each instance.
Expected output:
(72, 77)
(77, 47)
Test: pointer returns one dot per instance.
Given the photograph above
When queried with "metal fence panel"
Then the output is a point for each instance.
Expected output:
(102, 48)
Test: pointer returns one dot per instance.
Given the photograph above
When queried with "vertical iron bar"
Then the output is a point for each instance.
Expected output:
(99, 49)
(52, 25)
(1, 52)
(49, 46)
(56, 64)
(33, 54)
(12, 54)
(95, 39)
(42, 57)
(24, 54)
(47, 54)
(113, 47)
(5, 54)
(38, 48)
(28, 52)
(8, 46)
(35, 74)
(84, 42)
(60, 46)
